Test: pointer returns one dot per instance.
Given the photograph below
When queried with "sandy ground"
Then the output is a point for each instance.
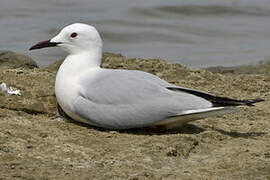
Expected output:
(35, 143)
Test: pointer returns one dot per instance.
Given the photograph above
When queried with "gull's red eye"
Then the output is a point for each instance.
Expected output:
(73, 35)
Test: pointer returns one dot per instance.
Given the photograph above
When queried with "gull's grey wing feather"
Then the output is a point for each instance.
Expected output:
(127, 99)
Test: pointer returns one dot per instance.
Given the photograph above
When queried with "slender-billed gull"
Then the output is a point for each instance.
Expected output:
(123, 99)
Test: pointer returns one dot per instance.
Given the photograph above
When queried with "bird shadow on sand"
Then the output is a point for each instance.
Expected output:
(185, 129)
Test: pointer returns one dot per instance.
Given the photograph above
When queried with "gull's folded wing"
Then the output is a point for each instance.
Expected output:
(129, 99)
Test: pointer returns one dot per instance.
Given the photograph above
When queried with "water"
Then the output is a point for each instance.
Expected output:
(195, 33)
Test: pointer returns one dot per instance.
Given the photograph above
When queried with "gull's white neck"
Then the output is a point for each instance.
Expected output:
(77, 63)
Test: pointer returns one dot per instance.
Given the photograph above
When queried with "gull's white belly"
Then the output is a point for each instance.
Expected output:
(65, 98)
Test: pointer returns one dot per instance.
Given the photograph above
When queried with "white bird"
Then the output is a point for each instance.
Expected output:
(123, 99)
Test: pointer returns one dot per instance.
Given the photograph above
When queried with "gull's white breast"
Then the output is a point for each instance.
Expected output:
(68, 85)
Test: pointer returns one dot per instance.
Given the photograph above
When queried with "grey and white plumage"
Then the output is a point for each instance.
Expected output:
(123, 99)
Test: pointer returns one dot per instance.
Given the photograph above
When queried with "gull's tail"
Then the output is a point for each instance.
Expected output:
(192, 115)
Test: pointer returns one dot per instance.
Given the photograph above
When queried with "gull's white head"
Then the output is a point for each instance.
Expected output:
(75, 38)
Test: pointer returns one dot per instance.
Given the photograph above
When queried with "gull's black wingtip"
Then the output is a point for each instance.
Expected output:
(251, 102)
(216, 100)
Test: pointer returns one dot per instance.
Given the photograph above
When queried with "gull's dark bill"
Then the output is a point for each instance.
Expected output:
(44, 44)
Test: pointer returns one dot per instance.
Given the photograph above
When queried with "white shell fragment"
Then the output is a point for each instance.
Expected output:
(9, 90)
